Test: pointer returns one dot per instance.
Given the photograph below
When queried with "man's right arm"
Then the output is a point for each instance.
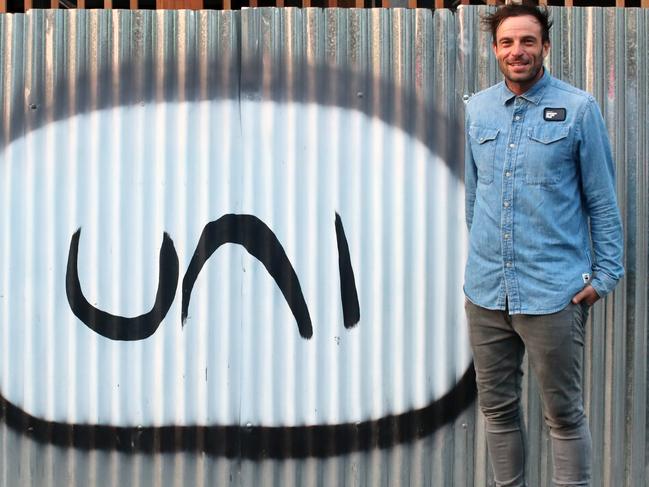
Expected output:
(470, 174)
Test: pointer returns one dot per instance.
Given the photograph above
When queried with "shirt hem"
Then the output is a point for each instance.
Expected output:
(543, 311)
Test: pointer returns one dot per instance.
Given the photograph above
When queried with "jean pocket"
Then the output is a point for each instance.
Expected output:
(548, 151)
(483, 147)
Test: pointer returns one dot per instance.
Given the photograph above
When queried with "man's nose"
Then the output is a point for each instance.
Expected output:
(517, 49)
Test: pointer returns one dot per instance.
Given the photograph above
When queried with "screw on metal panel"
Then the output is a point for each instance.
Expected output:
(359, 94)
(33, 106)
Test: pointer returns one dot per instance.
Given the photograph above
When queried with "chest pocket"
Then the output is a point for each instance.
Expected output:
(548, 154)
(483, 147)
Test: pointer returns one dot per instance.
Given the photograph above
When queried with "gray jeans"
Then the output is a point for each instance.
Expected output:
(554, 345)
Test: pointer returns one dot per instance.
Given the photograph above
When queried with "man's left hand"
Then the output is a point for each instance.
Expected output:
(588, 295)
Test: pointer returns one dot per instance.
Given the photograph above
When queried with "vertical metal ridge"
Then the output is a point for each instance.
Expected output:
(292, 115)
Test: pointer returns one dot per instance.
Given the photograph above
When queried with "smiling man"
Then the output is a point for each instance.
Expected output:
(545, 243)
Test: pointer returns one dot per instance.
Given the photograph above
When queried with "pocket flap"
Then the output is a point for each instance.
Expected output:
(547, 134)
(482, 134)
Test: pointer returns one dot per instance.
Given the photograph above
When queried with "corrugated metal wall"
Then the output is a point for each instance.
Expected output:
(330, 136)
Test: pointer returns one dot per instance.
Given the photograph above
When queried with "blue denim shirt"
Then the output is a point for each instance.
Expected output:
(540, 198)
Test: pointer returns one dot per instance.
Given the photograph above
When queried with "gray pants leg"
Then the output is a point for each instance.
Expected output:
(554, 344)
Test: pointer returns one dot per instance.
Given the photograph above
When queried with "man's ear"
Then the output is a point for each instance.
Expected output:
(546, 48)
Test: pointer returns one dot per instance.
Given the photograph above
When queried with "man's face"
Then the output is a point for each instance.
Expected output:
(520, 51)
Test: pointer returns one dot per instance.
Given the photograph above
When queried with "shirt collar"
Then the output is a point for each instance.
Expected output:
(533, 95)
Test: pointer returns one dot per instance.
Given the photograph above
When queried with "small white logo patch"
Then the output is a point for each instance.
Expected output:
(554, 114)
(586, 277)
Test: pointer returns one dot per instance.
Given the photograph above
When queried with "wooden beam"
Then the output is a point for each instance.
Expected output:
(619, 3)
(439, 3)
(385, 3)
(644, 3)
(54, 3)
(133, 4)
(491, 2)
(412, 3)
(567, 3)
(108, 4)
(29, 4)
(361, 3)
(253, 3)
(81, 3)
(3, 6)
(179, 4)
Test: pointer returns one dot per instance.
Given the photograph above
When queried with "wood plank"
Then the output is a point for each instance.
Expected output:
(179, 4)
(385, 3)
(3, 6)
(439, 3)
(359, 3)
(412, 3)
(567, 3)
(619, 3)
(491, 2)
(644, 3)
(54, 3)
(81, 3)
(108, 4)
(133, 4)
(29, 4)
(227, 4)
(253, 3)
(332, 3)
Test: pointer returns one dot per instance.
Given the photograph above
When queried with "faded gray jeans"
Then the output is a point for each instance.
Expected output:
(554, 345)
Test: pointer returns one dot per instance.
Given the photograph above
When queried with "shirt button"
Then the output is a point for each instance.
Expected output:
(508, 264)
(517, 117)
(512, 145)
(508, 174)
(506, 204)
(506, 236)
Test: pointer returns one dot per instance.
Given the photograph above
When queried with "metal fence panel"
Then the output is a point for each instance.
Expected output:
(324, 344)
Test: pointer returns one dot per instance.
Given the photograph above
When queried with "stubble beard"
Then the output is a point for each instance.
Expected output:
(521, 78)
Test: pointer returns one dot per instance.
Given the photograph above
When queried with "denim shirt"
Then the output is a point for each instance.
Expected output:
(540, 198)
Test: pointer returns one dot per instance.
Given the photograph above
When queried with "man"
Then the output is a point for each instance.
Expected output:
(545, 243)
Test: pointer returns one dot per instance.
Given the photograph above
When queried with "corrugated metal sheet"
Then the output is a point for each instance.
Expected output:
(333, 128)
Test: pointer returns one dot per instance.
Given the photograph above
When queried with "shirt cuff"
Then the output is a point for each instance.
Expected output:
(603, 284)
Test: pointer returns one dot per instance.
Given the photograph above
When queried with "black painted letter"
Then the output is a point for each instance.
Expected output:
(260, 242)
(119, 327)
(348, 293)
